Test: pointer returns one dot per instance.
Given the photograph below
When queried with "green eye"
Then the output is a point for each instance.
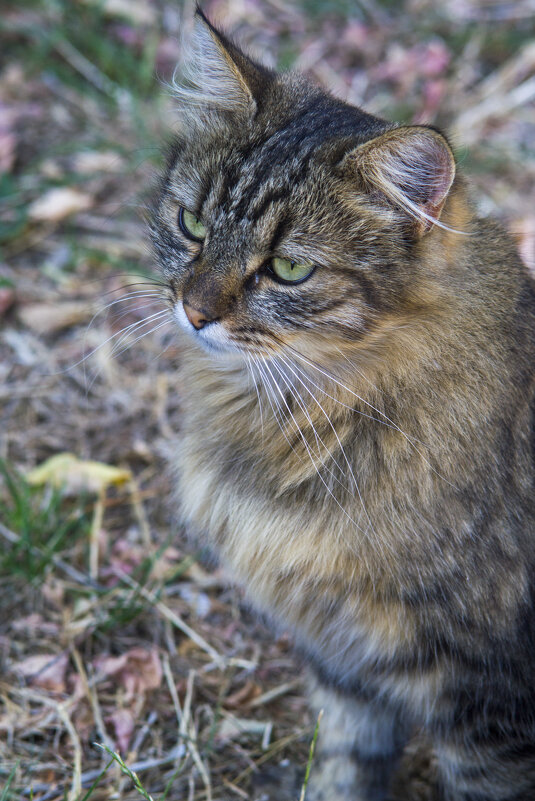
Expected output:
(291, 272)
(190, 225)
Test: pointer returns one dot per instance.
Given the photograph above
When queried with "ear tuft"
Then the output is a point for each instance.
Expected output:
(413, 167)
(214, 74)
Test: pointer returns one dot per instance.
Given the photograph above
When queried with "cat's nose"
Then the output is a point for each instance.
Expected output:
(197, 319)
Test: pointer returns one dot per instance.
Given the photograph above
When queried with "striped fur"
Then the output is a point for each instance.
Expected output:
(359, 448)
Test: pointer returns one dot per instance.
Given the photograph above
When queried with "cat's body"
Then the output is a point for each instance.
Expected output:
(357, 445)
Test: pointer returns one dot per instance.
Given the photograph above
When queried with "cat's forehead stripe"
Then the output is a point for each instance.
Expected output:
(286, 151)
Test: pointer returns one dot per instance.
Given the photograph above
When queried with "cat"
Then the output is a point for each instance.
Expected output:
(358, 424)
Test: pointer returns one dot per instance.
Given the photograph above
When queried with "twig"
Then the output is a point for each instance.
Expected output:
(270, 695)
(187, 728)
(96, 525)
(90, 72)
(76, 785)
(172, 690)
(139, 511)
(142, 733)
(92, 697)
(172, 617)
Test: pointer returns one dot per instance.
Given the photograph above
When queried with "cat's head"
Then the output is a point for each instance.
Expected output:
(287, 218)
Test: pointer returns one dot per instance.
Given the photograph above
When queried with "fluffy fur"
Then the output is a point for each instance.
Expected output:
(359, 448)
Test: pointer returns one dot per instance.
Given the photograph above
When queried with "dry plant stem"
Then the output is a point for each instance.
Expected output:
(236, 790)
(92, 697)
(76, 786)
(276, 692)
(142, 733)
(172, 617)
(96, 526)
(467, 126)
(187, 730)
(499, 93)
(277, 746)
(139, 512)
(61, 711)
(172, 690)
(90, 72)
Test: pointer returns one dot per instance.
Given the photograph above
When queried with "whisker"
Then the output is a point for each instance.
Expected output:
(135, 326)
(337, 400)
(114, 352)
(373, 386)
(305, 443)
(355, 483)
(133, 309)
(132, 295)
(102, 344)
(149, 282)
(144, 334)
(267, 387)
(250, 368)
(375, 409)
(317, 437)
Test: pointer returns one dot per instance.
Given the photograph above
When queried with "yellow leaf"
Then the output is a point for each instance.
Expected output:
(73, 475)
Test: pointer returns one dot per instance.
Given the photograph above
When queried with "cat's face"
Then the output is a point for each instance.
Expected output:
(274, 228)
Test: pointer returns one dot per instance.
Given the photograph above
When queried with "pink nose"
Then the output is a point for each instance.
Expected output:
(196, 318)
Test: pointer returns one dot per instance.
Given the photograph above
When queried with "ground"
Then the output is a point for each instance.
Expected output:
(114, 631)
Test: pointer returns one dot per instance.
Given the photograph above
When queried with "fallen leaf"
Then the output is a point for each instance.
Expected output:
(123, 723)
(58, 203)
(44, 670)
(91, 161)
(138, 11)
(137, 670)
(73, 475)
(47, 318)
(35, 624)
(7, 298)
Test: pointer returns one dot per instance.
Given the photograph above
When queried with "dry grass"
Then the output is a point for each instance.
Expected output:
(111, 630)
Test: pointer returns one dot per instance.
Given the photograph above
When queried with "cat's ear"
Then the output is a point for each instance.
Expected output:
(215, 74)
(413, 167)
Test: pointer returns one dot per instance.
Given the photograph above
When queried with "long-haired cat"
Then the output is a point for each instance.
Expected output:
(357, 439)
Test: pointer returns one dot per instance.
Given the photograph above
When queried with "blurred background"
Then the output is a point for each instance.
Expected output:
(112, 628)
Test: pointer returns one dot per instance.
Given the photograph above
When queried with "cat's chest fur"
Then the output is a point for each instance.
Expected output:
(359, 573)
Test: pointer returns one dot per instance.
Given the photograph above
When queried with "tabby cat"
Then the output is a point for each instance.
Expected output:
(358, 434)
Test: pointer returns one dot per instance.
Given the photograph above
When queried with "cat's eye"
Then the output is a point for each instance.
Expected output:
(290, 272)
(191, 226)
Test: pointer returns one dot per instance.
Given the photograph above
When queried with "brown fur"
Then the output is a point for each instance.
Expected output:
(358, 448)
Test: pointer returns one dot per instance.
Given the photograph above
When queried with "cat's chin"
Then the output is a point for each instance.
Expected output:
(224, 353)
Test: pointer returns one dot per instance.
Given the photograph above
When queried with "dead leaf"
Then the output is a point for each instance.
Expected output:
(58, 203)
(138, 11)
(44, 670)
(91, 161)
(138, 670)
(123, 723)
(47, 318)
(7, 295)
(34, 625)
(73, 475)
